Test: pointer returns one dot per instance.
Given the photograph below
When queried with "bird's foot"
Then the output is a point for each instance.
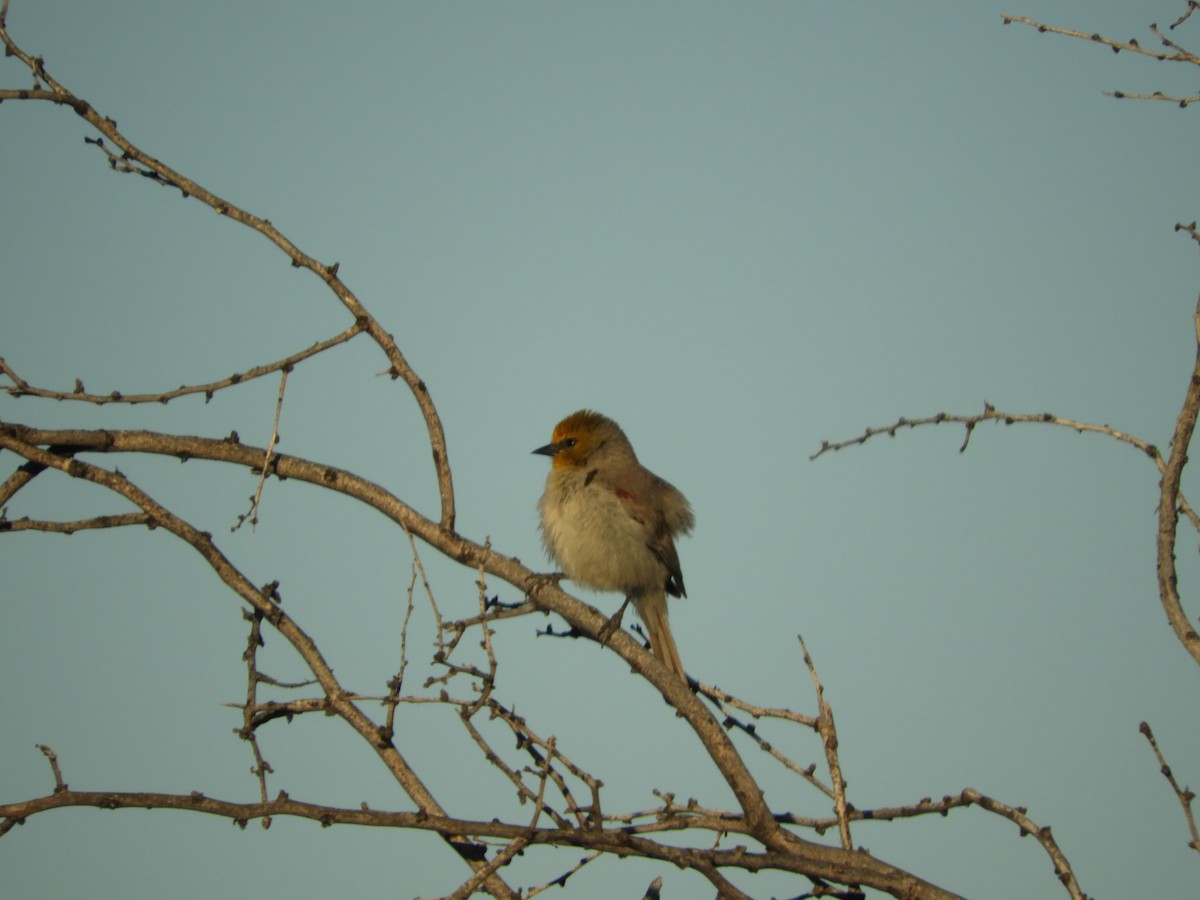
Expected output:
(541, 579)
(613, 624)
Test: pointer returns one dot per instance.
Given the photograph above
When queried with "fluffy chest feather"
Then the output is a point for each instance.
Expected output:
(594, 532)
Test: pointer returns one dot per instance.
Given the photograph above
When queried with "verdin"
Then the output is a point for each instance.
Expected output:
(609, 523)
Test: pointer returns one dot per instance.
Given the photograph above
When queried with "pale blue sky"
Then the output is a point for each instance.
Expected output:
(738, 229)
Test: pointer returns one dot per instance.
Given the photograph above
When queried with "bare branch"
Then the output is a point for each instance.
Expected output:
(615, 842)
(541, 750)
(1192, 5)
(113, 521)
(496, 612)
(1168, 509)
(561, 880)
(502, 858)
(724, 699)
(1182, 102)
(22, 388)
(1131, 45)
(724, 702)
(991, 414)
(1167, 42)
(1184, 795)
(52, 757)
(814, 859)
(133, 159)
(337, 699)
(829, 740)
(1172, 501)
(17, 480)
(248, 730)
(256, 500)
(1062, 868)
(396, 682)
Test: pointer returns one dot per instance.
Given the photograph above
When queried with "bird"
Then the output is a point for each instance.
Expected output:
(610, 523)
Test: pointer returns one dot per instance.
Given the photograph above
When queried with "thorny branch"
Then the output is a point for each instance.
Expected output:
(821, 861)
(1171, 504)
(396, 683)
(21, 388)
(249, 731)
(1171, 501)
(991, 414)
(1175, 52)
(625, 842)
(1018, 814)
(829, 741)
(256, 501)
(113, 521)
(615, 841)
(133, 160)
(561, 880)
(725, 703)
(1184, 795)
(266, 603)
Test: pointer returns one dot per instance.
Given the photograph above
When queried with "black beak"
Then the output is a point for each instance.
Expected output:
(549, 449)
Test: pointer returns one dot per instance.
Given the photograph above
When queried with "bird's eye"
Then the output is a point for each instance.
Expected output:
(568, 443)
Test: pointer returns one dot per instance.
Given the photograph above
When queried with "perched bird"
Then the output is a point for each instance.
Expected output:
(609, 523)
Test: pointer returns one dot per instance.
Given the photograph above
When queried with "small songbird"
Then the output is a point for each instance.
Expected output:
(610, 524)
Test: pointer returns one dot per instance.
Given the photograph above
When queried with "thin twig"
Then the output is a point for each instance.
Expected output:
(724, 701)
(489, 681)
(561, 880)
(991, 414)
(256, 500)
(1181, 102)
(1192, 5)
(110, 521)
(249, 731)
(829, 740)
(524, 794)
(503, 858)
(52, 757)
(808, 773)
(1131, 45)
(723, 698)
(22, 388)
(495, 612)
(396, 683)
(437, 615)
(1042, 834)
(544, 771)
(133, 159)
(203, 544)
(1184, 795)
